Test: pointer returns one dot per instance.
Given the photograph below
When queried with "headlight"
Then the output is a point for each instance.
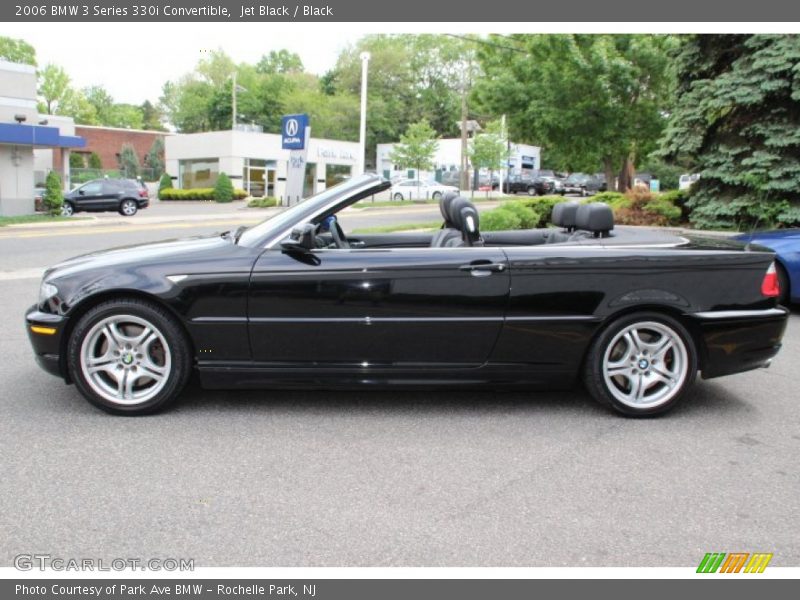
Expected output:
(46, 291)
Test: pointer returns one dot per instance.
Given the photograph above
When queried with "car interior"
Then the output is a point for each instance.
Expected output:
(572, 222)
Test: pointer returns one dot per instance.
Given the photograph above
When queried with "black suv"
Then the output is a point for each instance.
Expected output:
(519, 183)
(126, 196)
(584, 184)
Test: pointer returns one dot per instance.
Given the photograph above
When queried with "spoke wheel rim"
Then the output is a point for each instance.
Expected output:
(645, 365)
(128, 208)
(125, 359)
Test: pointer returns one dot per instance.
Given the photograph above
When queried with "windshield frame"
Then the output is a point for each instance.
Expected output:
(276, 228)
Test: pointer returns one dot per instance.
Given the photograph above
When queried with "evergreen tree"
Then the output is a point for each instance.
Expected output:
(128, 161)
(53, 198)
(223, 190)
(737, 123)
(94, 161)
(164, 183)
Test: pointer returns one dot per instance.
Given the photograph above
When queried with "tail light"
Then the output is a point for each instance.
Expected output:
(142, 193)
(770, 285)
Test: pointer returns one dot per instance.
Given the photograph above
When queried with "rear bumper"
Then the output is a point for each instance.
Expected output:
(739, 340)
(144, 202)
(45, 332)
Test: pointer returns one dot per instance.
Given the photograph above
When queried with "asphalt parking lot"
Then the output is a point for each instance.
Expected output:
(388, 478)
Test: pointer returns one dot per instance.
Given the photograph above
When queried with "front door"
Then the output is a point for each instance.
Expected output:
(384, 307)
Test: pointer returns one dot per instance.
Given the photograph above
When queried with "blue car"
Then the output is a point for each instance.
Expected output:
(786, 244)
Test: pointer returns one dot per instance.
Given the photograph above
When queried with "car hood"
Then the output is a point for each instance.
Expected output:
(139, 255)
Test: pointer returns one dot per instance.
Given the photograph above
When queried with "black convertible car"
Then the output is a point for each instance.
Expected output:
(294, 302)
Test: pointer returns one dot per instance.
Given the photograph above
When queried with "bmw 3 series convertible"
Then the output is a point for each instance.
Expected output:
(294, 302)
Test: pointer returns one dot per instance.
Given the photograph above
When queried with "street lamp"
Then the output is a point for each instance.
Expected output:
(362, 137)
(236, 88)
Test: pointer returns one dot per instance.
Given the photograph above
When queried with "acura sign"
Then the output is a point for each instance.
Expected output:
(293, 132)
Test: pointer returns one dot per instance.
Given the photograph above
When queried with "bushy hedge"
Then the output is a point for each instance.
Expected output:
(53, 197)
(265, 202)
(223, 189)
(165, 183)
(196, 194)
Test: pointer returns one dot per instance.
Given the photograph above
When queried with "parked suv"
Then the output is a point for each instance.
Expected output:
(584, 184)
(126, 196)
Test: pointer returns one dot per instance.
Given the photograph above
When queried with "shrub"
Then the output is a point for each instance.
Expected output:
(613, 199)
(94, 161)
(165, 183)
(76, 161)
(223, 190)
(265, 202)
(642, 207)
(129, 161)
(195, 194)
(499, 219)
(53, 198)
(528, 217)
(543, 205)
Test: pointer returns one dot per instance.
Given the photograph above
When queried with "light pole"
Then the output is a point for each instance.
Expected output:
(236, 88)
(362, 136)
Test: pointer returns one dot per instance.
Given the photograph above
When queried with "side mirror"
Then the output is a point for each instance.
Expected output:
(302, 239)
(81, 192)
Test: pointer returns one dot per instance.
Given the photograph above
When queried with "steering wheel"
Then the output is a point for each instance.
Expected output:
(339, 238)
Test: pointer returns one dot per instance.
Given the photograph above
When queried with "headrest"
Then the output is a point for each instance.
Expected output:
(444, 206)
(464, 217)
(564, 214)
(596, 217)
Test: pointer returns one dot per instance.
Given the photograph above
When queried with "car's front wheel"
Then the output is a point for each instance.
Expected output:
(67, 209)
(129, 357)
(128, 207)
(641, 365)
(436, 195)
(398, 196)
(531, 191)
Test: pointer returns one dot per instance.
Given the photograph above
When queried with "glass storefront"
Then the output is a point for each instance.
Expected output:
(198, 173)
(259, 177)
(336, 174)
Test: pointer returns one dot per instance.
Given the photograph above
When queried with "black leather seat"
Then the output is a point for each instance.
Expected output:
(464, 216)
(596, 218)
(564, 216)
(448, 231)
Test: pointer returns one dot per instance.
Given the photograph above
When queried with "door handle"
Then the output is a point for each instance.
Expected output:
(483, 267)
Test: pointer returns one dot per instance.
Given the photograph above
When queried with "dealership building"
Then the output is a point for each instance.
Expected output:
(24, 134)
(522, 157)
(254, 161)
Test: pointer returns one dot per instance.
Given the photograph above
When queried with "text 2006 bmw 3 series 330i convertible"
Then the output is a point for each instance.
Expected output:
(294, 302)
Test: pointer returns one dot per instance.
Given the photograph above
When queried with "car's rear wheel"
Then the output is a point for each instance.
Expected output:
(128, 207)
(436, 195)
(129, 357)
(641, 365)
(531, 191)
(67, 209)
(398, 196)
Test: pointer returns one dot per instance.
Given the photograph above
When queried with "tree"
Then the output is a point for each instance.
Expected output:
(128, 161)
(737, 122)
(489, 150)
(154, 158)
(151, 116)
(223, 189)
(17, 51)
(164, 183)
(102, 102)
(280, 61)
(53, 87)
(589, 100)
(76, 160)
(53, 198)
(94, 161)
(416, 148)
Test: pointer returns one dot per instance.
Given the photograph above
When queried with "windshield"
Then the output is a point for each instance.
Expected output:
(279, 223)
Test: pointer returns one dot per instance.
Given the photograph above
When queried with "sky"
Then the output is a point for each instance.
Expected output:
(133, 61)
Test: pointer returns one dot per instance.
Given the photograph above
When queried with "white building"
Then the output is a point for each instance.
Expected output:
(523, 157)
(22, 131)
(254, 161)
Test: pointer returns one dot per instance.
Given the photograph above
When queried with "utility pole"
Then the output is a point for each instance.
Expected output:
(464, 183)
(503, 137)
(362, 136)
(233, 102)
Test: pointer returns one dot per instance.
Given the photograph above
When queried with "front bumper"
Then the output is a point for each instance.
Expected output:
(45, 332)
(739, 340)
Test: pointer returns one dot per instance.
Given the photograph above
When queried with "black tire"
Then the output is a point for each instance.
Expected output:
(783, 281)
(128, 207)
(68, 209)
(436, 195)
(531, 191)
(178, 345)
(398, 196)
(594, 376)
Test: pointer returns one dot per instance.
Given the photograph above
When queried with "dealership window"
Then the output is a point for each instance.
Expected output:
(198, 173)
(336, 174)
(259, 176)
(309, 182)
